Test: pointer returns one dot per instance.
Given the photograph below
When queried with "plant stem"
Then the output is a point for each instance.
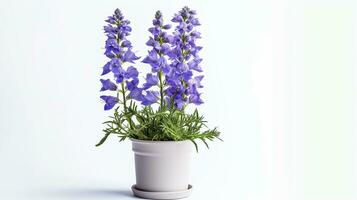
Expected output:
(161, 91)
(125, 106)
(123, 92)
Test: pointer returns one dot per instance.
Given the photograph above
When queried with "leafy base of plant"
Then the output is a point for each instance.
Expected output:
(158, 125)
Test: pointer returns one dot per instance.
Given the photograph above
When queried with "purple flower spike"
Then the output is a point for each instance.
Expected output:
(119, 49)
(157, 59)
(185, 61)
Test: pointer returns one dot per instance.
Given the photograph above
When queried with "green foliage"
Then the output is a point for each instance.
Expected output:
(158, 125)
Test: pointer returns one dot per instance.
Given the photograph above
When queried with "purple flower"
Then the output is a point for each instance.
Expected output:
(152, 59)
(179, 102)
(167, 26)
(131, 72)
(154, 30)
(132, 85)
(194, 64)
(126, 43)
(107, 85)
(150, 97)
(152, 42)
(119, 77)
(158, 21)
(111, 20)
(106, 68)
(111, 48)
(151, 80)
(195, 34)
(118, 15)
(117, 70)
(186, 76)
(196, 81)
(196, 99)
(110, 101)
(136, 94)
(110, 30)
(177, 18)
(129, 56)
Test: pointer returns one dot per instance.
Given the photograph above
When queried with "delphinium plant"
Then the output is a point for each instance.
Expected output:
(172, 84)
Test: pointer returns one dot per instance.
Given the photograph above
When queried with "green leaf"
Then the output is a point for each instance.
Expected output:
(196, 146)
(103, 139)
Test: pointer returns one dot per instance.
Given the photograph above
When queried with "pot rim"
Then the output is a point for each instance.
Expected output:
(158, 142)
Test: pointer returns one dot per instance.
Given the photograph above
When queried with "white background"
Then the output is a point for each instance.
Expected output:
(280, 83)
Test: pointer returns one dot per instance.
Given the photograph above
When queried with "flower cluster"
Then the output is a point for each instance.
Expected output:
(179, 87)
(157, 59)
(119, 49)
(173, 59)
(183, 86)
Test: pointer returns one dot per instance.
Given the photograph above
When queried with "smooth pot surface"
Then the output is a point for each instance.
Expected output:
(162, 166)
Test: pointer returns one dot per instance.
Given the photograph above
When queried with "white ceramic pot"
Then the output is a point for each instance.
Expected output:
(162, 166)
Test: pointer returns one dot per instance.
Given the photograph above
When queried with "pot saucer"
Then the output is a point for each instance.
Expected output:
(161, 195)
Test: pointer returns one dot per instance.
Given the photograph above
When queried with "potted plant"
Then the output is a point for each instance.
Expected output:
(161, 130)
